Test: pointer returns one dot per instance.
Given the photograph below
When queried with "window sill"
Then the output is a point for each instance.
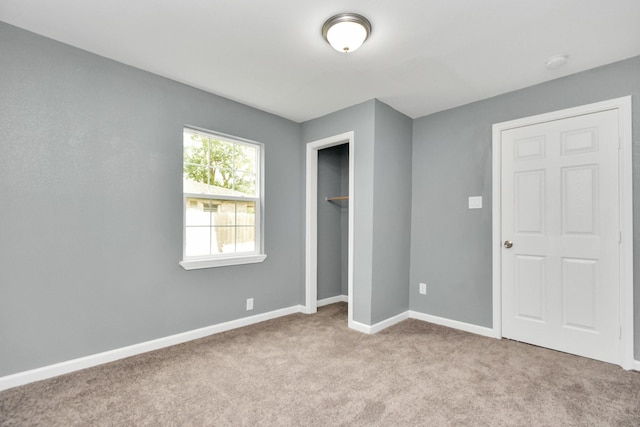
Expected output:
(195, 264)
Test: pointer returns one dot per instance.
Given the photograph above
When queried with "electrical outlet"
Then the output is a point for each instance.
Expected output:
(423, 288)
(249, 304)
(475, 202)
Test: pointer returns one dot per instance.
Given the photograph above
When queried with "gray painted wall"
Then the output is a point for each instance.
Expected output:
(331, 258)
(344, 222)
(451, 245)
(91, 212)
(381, 204)
(360, 119)
(392, 213)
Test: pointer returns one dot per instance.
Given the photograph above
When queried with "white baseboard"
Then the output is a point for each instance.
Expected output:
(636, 365)
(360, 327)
(389, 322)
(374, 329)
(332, 300)
(54, 370)
(467, 327)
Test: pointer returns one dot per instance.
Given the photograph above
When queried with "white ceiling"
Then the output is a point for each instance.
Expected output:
(423, 56)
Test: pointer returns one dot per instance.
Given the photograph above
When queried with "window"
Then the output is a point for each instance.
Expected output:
(222, 200)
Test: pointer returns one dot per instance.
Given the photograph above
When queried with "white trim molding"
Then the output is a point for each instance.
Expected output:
(636, 365)
(625, 179)
(195, 264)
(389, 322)
(375, 328)
(311, 209)
(332, 300)
(66, 367)
(454, 324)
(360, 327)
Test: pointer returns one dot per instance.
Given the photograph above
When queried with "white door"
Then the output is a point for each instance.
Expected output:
(560, 225)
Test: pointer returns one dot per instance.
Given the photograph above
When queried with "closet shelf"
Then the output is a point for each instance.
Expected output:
(336, 198)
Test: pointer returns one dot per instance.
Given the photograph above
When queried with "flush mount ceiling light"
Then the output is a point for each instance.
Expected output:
(346, 32)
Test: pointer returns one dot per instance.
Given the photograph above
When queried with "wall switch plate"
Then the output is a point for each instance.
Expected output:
(249, 304)
(423, 288)
(475, 202)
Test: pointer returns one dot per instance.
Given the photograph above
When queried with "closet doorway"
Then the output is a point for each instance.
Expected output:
(312, 200)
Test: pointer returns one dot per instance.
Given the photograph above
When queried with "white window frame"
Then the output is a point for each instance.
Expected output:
(221, 260)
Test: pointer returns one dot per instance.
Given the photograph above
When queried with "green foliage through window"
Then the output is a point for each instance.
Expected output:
(219, 163)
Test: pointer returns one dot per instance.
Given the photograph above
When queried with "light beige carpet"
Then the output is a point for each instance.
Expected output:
(310, 370)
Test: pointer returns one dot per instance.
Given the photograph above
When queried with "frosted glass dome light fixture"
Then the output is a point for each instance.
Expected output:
(346, 32)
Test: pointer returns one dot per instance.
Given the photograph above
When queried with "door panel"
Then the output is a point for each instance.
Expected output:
(530, 287)
(560, 279)
(529, 211)
(579, 291)
(580, 200)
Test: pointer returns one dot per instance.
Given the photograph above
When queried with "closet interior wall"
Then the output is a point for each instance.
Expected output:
(333, 220)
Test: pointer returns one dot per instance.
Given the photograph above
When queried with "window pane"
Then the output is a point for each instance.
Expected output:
(245, 239)
(245, 184)
(224, 240)
(221, 181)
(198, 212)
(198, 241)
(225, 214)
(195, 149)
(196, 161)
(246, 213)
(221, 153)
(195, 179)
(246, 158)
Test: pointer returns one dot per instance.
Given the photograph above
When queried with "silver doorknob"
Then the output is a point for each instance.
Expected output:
(508, 244)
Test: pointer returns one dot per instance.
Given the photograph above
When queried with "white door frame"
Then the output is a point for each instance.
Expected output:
(311, 247)
(625, 200)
